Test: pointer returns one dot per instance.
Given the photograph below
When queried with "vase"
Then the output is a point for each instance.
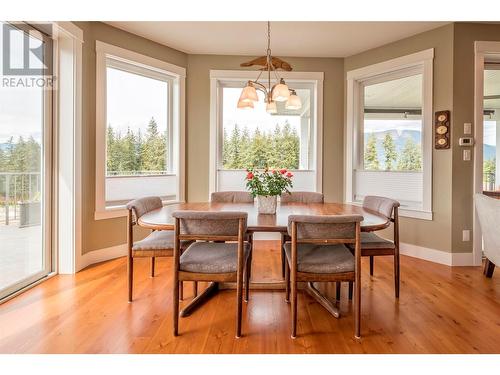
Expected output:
(266, 205)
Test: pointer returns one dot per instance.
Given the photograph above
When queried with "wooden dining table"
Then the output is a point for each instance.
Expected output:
(161, 219)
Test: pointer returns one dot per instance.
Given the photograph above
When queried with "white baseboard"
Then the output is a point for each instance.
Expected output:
(437, 256)
(101, 255)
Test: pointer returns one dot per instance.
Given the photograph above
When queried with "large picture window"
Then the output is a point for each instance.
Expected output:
(389, 133)
(253, 138)
(139, 138)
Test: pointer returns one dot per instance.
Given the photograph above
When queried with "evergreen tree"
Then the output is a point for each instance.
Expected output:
(371, 157)
(390, 155)
(234, 154)
(489, 167)
(411, 157)
(154, 150)
(290, 149)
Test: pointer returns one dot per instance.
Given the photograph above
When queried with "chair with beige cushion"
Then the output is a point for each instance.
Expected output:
(209, 259)
(296, 197)
(231, 197)
(488, 212)
(373, 245)
(317, 253)
(157, 244)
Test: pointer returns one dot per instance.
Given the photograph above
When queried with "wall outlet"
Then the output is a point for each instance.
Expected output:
(466, 235)
(466, 155)
(467, 128)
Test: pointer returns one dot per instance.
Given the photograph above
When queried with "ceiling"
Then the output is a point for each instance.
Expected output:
(399, 93)
(313, 39)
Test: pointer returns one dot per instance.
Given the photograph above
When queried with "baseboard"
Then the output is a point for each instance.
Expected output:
(436, 256)
(101, 255)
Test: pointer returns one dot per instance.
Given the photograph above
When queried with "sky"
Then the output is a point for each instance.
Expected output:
(133, 99)
(20, 109)
(251, 118)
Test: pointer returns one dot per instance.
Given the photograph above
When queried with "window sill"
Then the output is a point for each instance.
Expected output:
(408, 212)
(121, 211)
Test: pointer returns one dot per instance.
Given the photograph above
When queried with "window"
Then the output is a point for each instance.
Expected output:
(390, 133)
(26, 125)
(255, 139)
(138, 151)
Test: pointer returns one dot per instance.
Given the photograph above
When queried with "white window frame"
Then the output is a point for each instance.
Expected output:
(176, 122)
(417, 62)
(223, 76)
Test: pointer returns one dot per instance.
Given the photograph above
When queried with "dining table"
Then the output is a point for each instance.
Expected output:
(161, 219)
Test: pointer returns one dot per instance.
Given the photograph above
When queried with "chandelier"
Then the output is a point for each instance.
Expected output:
(279, 92)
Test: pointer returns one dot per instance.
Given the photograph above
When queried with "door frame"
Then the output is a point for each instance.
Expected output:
(482, 50)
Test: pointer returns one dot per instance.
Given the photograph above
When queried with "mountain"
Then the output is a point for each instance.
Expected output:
(399, 137)
(489, 152)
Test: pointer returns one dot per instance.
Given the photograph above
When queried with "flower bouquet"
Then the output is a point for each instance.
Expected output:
(267, 185)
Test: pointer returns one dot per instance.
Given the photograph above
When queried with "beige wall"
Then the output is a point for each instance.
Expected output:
(463, 103)
(435, 234)
(99, 234)
(198, 119)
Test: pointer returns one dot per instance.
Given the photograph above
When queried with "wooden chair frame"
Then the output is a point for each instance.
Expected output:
(244, 266)
(292, 276)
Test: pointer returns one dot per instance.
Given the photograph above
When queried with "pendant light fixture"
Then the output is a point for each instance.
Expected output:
(279, 92)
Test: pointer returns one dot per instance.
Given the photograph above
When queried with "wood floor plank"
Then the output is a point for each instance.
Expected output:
(440, 310)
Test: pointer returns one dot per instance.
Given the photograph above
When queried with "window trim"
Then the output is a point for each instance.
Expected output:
(176, 120)
(354, 100)
(316, 78)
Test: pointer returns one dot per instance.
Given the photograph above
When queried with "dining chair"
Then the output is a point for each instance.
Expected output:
(488, 212)
(296, 197)
(231, 197)
(157, 244)
(373, 245)
(208, 260)
(317, 253)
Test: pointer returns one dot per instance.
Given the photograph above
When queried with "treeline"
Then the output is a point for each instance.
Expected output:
(134, 153)
(275, 149)
(18, 158)
(410, 158)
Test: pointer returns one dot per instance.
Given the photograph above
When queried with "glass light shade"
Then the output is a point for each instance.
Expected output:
(293, 102)
(271, 107)
(249, 94)
(280, 92)
(245, 105)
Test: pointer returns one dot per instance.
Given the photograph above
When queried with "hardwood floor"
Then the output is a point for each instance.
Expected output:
(441, 310)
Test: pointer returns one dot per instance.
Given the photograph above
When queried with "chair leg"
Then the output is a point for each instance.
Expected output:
(287, 282)
(489, 267)
(130, 269)
(357, 310)
(283, 256)
(337, 291)
(175, 303)
(195, 288)
(350, 290)
(152, 266)
(294, 305)
(396, 274)
(181, 290)
(248, 272)
(239, 307)
(371, 265)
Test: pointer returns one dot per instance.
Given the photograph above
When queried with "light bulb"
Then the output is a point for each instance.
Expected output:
(293, 102)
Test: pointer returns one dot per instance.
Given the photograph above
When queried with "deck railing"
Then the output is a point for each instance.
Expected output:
(16, 189)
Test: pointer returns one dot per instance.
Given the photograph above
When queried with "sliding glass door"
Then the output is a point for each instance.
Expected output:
(25, 157)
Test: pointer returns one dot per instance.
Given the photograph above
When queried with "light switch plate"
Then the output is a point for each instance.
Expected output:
(467, 128)
(466, 155)
(466, 235)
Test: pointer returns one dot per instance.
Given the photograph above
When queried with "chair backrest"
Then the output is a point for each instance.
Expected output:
(302, 197)
(210, 225)
(324, 229)
(382, 205)
(144, 205)
(488, 212)
(231, 197)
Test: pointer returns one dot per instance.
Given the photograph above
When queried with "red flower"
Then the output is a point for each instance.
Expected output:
(273, 171)
(289, 174)
(282, 171)
(250, 176)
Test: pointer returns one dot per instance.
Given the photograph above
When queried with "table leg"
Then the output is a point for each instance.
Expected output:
(200, 299)
(322, 300)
